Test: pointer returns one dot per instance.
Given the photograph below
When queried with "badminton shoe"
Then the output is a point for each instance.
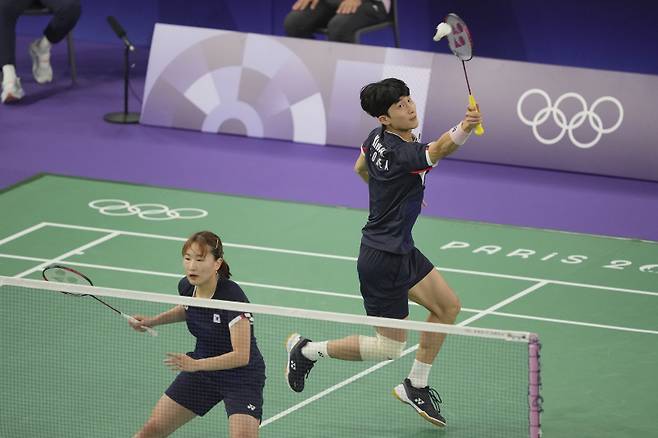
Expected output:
(41, 68)
(12, 91)
(298, 366)
(424, 400)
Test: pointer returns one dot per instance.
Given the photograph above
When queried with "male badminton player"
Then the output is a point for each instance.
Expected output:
(391, 269)
(225, 365)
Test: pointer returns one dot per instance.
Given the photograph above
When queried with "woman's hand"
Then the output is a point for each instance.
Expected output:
(181, 362)
(139, 322)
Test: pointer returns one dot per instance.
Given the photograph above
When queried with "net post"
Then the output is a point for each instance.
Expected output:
(535, 399)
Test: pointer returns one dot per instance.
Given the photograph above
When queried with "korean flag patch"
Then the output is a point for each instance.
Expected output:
(216, 318)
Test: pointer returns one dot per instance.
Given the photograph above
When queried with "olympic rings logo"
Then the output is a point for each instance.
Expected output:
(146, 211)
(576, 120)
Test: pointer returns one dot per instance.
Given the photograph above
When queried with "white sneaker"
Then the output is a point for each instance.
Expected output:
(12, 91)
(41, 68)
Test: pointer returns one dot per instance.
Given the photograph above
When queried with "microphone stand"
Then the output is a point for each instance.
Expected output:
(124, 117)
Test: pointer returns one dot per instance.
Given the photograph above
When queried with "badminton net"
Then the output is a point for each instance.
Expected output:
(73, 369)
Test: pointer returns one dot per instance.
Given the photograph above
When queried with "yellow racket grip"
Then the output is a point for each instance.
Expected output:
(479, 129)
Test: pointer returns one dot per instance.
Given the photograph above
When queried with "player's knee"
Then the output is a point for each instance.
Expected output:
(453, 308)
(447, 310)
(380, 348)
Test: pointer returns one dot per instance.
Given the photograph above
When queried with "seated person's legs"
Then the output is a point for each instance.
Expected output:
(10, 10)
(303, 23)
(342, 27)
(65, 16)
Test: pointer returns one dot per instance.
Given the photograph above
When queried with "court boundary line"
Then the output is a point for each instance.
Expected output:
(22, 233)
(503, 303)
(344, 295)
(349, 258)
(67, 254)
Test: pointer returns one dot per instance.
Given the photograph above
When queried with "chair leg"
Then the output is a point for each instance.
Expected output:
(396, 35)
(71, 50)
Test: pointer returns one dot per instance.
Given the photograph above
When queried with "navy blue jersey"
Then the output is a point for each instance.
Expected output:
(211, 327)
(396, 170)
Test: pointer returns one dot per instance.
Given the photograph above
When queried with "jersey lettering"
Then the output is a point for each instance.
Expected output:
(378, 157)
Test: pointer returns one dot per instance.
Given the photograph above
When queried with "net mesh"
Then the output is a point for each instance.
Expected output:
(72, 368)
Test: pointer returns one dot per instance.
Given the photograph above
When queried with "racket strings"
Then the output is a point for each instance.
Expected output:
(63, 274)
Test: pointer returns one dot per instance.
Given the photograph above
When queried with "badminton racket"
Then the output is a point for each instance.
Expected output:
(64, 274)
(461, 45)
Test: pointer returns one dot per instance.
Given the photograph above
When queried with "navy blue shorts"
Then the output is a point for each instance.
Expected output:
(201, 391)
(386, 279)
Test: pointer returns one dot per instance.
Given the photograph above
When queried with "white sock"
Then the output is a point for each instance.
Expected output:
(8, 73)
(44, 44)
(315, 350)
(419, 374)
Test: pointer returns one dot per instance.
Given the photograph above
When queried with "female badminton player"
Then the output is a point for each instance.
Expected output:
(391, 269)
(225, 365)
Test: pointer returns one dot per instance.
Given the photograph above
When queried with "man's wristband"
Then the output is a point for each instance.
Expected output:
(458, 135)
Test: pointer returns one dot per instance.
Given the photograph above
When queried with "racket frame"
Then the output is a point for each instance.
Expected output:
(461, 37)
(90, 283)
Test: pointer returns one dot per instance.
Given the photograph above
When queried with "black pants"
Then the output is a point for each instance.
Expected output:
(340, 27)
(65, 16)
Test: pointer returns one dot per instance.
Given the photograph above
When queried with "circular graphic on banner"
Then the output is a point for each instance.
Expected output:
(242, 84)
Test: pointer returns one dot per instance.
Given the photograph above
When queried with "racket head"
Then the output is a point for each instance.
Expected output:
(64, 274)
(459, 40)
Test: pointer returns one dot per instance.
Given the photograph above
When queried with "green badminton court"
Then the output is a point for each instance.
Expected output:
(72, 368)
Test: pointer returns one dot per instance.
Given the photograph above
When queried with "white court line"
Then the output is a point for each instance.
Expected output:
(180, 275)
(67, 254)
(337, 294)
(577, 323)
(502, 303)
(348, 258)
(226, 244)
(22, 233)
